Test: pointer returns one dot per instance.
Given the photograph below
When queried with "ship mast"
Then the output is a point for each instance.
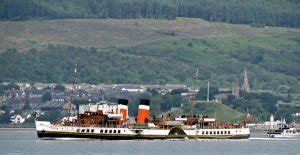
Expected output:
(72, 92)
(192, 98)
(192, 101)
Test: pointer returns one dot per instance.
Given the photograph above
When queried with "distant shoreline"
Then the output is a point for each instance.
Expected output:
(17, 128)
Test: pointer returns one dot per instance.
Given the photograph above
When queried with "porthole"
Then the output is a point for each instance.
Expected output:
(101, 131)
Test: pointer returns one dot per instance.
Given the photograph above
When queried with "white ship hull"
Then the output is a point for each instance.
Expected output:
(285, 133)
(48, 130)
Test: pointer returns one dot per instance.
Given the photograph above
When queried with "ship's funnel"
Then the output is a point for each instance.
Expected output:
(143, 111)
(123, 108)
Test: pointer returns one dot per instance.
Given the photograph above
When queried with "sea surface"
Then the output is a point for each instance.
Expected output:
(25, 141)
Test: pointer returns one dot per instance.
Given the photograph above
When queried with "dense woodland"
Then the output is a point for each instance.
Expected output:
(256, 12)
(169, 62)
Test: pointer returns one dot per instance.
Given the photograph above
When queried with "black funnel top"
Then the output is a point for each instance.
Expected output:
(122, 101)
(144, 102)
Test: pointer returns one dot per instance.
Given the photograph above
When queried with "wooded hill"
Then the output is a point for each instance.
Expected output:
(153, 51)
(256, 12)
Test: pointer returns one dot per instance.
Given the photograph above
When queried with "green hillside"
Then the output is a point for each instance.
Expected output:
(150, 51)
(107, 33)
(220, 111)
(256, 12)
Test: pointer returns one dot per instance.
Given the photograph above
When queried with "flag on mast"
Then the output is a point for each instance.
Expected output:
(249, 117)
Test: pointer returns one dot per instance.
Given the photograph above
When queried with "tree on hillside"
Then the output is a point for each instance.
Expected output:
(9, 86)
(47, 96)
(202, 94)
(51, 115)
(59, 87)
(27, 102)
(5, 118)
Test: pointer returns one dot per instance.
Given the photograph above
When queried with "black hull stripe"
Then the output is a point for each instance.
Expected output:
(132, 137)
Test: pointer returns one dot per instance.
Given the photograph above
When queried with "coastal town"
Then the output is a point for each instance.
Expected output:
(22, 103)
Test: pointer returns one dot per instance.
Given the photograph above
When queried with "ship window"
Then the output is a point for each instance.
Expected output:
(87, 130)
(202, 132)
(82, 130)
(110, 131)
(78, 130)
(218, 132)
(210, 132)
(228, 132)
(225, 132)
(115, 131)
(207, 132)
(92, 130)
(105, 131)
(119, 131)
(214, 132)
(221, 132)
(101, 131)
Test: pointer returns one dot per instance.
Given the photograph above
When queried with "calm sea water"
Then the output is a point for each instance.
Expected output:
(26, 142)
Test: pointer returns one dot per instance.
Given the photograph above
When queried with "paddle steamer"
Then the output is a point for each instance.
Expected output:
(111, 122)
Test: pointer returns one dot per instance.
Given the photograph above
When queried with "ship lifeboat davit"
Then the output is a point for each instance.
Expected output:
(117, 116)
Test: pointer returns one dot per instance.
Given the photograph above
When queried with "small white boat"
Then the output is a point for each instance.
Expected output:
(285, 132)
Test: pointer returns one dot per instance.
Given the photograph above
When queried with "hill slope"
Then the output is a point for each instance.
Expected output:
(150, 51)
(220, 111)
(106, 33)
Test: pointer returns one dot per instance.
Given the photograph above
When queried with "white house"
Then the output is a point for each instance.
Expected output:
(130, 88)
(17, 119)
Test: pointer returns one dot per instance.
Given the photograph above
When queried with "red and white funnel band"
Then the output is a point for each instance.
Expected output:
(145, 107)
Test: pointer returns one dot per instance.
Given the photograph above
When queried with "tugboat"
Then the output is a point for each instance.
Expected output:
(111, 122)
